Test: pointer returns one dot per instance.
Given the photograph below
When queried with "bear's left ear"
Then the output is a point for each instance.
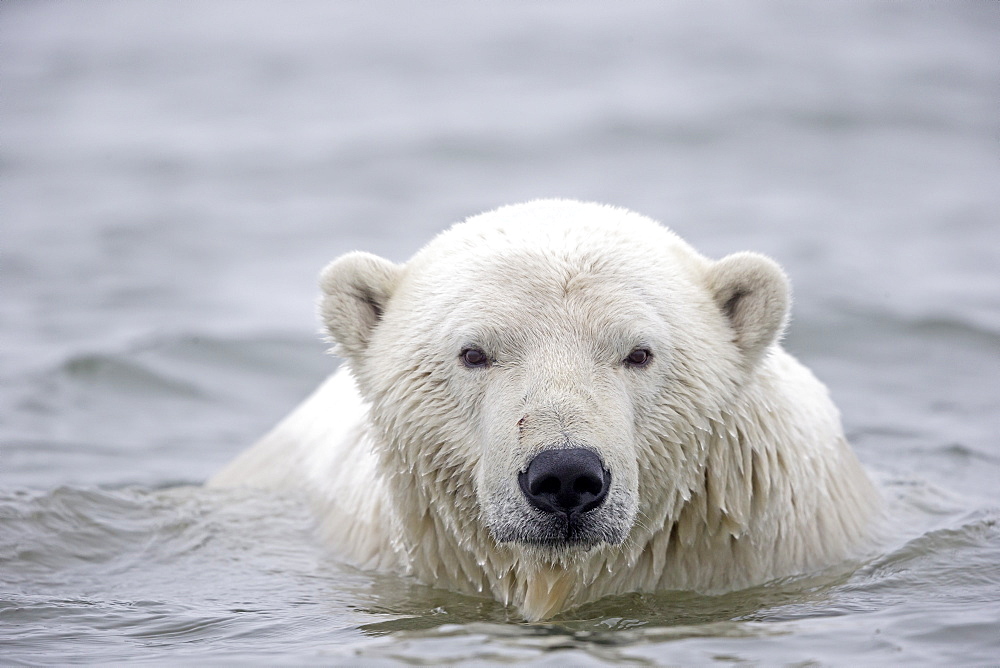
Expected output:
(356, 292)
(753, 293)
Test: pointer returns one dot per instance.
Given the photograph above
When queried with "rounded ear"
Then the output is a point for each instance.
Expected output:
(356, 290)
(753, 293)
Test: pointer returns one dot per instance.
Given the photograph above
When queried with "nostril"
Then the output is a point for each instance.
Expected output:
(549, 485)
(587, 485)
(566, 480)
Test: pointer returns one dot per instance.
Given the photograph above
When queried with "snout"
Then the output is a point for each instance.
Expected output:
(566, 481)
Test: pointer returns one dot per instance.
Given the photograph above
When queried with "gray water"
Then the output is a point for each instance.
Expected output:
(174, 175)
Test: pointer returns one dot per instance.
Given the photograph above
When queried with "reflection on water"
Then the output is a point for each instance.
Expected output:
(173, 180)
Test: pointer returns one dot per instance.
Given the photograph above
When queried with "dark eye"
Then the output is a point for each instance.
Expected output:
(474, 358)
(638, 357)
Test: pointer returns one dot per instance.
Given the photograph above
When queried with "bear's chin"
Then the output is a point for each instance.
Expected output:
(558, 533)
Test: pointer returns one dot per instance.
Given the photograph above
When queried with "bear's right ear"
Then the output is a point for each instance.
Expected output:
(356, 290)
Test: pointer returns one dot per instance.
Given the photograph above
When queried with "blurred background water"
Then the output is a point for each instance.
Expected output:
(173, 175)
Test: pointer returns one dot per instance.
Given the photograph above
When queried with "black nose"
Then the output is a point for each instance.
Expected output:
(570, 481)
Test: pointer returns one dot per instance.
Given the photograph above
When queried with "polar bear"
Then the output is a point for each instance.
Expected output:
(556, 401)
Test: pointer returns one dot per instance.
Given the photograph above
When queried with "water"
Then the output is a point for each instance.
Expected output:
(174, 174)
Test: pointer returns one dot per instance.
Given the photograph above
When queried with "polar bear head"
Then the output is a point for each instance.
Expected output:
(538, 376)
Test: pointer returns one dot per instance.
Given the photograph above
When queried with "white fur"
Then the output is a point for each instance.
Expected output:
(728, 462)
